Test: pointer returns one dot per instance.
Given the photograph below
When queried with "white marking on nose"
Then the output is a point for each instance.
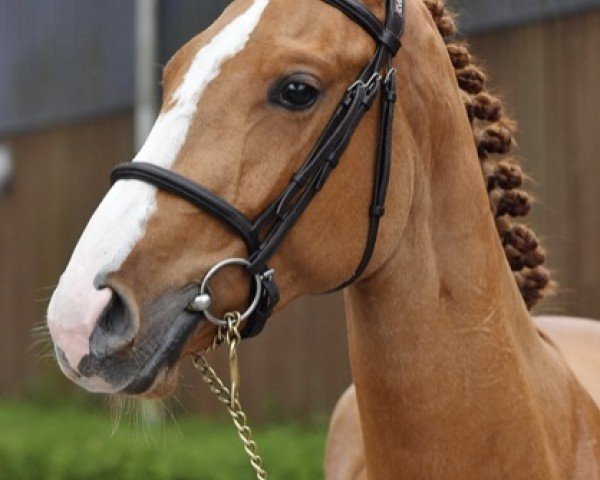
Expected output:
(120, 221)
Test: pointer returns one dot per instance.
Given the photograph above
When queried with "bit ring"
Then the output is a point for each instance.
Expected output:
(204, 290)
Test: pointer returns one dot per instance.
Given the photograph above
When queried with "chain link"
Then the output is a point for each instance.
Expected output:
(230, 396)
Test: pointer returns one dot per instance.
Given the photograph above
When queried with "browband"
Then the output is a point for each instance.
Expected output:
(281, 215)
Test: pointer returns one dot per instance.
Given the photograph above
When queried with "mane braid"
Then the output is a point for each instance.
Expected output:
(493, 133)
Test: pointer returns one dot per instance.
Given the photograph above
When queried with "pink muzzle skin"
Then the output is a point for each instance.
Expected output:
(73, 314)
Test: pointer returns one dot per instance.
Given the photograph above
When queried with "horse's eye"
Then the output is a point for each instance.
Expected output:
(296, 94)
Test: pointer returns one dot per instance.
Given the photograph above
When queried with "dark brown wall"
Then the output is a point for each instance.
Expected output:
(60, 175)
(549, 75)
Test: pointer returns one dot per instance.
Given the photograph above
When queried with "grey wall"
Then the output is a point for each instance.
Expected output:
(483, 15)
(180, 20)
(63, 59)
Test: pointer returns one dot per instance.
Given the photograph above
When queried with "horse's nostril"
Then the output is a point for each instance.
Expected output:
(115, 329)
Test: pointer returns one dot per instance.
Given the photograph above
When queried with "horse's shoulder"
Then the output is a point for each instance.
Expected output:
(578, 335)
(344, 454)
(578, 340)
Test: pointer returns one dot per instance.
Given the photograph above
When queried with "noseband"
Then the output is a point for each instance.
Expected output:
(264, 235)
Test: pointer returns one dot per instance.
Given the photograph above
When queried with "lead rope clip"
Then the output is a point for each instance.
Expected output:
(230, 335)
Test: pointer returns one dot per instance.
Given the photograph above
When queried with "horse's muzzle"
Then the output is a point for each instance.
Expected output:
(133, 351)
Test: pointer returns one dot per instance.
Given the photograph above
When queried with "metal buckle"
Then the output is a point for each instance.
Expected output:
(203, 301)
(373, 81)
(391, 72)
(375, 78)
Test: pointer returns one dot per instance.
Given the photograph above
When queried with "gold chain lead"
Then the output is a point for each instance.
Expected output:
(230, 396)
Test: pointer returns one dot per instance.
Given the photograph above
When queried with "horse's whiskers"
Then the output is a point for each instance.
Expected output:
(41, 358)
(42, 300)
(41, 342)
(46, 288)
(41, 329)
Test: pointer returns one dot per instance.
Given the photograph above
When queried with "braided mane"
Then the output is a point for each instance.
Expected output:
(493, 134)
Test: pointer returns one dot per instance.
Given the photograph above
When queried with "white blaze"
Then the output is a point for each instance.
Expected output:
(120, 221)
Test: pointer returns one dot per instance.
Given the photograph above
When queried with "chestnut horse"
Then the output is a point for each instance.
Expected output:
(577, 340)
(452, 378)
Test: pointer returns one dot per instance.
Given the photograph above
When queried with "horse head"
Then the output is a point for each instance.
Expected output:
(244, 104)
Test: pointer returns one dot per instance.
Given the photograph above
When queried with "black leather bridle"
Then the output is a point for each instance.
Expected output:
(264, 235)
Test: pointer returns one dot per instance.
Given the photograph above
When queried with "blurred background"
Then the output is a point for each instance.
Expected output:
(79, 90)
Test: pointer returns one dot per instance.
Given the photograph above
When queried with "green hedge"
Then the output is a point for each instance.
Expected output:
(72, 443)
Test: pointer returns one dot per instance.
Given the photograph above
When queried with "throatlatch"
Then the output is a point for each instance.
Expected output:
(279, 217)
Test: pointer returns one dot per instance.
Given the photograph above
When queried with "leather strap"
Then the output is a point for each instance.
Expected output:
(280, 216)
(381, 178)
(311, 178)
(197, 195)
(358, 13)
(204, 199)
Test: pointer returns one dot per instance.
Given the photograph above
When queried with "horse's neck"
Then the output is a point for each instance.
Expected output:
(442, 348)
